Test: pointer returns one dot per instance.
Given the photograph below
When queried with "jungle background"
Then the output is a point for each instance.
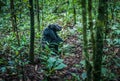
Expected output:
(91, 34)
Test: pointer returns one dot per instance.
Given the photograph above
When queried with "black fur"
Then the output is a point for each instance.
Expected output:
(51, 37)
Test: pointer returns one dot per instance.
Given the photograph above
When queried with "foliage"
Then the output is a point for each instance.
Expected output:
(14, 57)
(54, 64)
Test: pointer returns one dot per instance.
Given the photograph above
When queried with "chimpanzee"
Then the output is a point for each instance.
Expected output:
(51, 38)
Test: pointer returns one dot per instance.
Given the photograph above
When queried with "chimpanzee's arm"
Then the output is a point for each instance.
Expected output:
(55, 38)
(58, 38)
(52, 35)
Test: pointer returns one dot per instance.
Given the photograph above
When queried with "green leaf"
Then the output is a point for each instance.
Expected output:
(3, 69)
(60, 66)
(84, 75)
(25, 0)
(117, 62)
(58, 61)
(104, 71)
(51, 61)
(83, 63)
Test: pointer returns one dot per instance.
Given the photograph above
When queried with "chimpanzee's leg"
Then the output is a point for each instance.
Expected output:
(54, 48)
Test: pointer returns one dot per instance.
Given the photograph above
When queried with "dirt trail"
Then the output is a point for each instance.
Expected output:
(73, 60)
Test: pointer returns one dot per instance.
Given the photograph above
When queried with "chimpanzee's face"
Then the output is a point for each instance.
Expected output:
(55, 27)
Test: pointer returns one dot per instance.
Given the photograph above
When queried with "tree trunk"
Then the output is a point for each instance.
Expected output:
(32, 32)
(14, 21)
(74, 12)
(85, 42)
(13, 16)
(90, 25)
(106, 18)
(38, 15)
(42, 14)
(97, 57)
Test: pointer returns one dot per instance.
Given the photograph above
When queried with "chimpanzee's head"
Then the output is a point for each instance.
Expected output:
(55, 27)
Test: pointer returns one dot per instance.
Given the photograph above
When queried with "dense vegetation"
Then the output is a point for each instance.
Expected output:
(90, 31)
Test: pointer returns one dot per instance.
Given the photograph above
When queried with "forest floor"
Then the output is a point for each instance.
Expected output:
(31, 72)
(72, 72)
(72, 61)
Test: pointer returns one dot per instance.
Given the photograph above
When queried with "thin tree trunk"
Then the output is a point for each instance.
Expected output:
(32, 32)
(106, 19)
(90, 25)
(37, 12)
(97, 58)
(42, 13)
(74, 12)
(14, 21)
(38, 15)
(13, 16)
(85, 42)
